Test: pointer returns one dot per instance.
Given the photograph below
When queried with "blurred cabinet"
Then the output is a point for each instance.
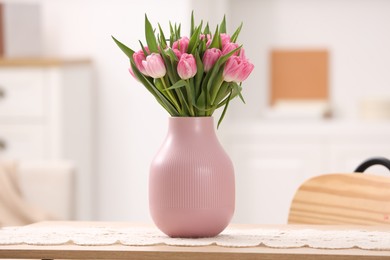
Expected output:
(46, 115)
(272, 159)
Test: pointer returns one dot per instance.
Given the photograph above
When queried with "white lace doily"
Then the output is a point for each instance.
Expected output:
(231, 237)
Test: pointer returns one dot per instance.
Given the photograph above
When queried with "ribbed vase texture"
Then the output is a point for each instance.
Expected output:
(191, 182)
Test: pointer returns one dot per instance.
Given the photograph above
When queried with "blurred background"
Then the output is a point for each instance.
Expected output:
(318, 100)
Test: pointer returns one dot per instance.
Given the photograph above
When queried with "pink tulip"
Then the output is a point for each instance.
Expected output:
(154, 66)
(132, 73)
(210, 57)
(246, 70)
(208, 36)
(225, 39)
(186, 68)
(138, 57)
(237, 69)
(181, 45)
(177, 53)
(229, 47)
(242, 54)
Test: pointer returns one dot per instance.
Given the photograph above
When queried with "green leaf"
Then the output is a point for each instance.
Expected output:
(190, 96)
(193, 90)
(173, 61)
(150, 37)
(163, 42)
(241, 97)
(194, 40)
(192, 23)
(223, 25)
(236, 33)
(172, 95)
(216, 39)
(206, 30)
(143, 49)
(180, 100)
(203, 47)
(179, 31)
(172, 35)
(169, 67)
(226, 99)
(222, 92)
(154, 91)
(179, 84)
(216, 81)
(238, 89)
(185, 107)
(199, 109)
(201, 104)
(129, 52)
(224, 110)
(205, 84)
(159, 85)
(235, 93)
(199, 74)
(172, 55)
(177, 34)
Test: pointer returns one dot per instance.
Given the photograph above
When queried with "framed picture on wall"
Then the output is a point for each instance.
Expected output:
(299, 80)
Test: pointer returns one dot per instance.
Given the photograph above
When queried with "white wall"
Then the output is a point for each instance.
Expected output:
(356, 33)
(130, 125)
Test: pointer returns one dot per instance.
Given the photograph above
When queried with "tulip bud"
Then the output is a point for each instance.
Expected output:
(138, 57)
(203, 37)
(229, 47)
(237, 69)
(210, 57)
(154, 66)
(245, 71)
(186, 68)
(225, 39)
(242, 54)
(182, 44)
(132, 73)
(177, 53)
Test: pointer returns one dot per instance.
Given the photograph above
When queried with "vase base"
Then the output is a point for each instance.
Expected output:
(192, 223)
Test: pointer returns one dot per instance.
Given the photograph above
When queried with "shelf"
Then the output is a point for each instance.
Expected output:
(41, 62)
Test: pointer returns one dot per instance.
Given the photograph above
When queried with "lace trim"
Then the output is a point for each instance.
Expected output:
(231, 237)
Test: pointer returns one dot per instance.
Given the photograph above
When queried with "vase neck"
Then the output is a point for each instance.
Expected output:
(192, 126)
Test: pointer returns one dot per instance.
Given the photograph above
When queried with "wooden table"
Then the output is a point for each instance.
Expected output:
(69, 251)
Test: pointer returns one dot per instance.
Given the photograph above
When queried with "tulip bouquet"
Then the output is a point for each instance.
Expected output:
(190, 76)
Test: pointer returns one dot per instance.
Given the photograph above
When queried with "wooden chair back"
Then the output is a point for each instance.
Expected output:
(351, 198)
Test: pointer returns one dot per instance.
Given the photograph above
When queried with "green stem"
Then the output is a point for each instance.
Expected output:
(170, 96)
(189, 96)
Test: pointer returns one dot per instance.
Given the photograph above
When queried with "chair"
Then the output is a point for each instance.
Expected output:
(33, 191)
(332, 199)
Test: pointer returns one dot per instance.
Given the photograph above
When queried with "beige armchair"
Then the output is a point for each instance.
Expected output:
(36, 191)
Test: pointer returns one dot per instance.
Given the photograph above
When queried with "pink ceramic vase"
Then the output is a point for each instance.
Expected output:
(191, 182)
